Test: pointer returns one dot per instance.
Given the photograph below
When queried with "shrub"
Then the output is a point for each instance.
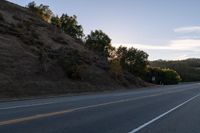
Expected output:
(35, 35)
(162, 76)
(68, 66)
(20, 25)
(1, 17)
(27, 24)
(115, 68)
(78, 71)
(16, 17)
(171, 77)
(60, 40)
(188, 69)
(71, 64)
(73, 70)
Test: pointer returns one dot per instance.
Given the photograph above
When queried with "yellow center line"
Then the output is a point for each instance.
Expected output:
(39, 116)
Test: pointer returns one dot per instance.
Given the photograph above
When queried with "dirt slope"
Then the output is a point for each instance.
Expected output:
(37, 59)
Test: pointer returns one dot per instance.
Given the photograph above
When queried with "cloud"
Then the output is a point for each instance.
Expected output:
(141, 46)
(179, 45)
(180, 48)
(186, 44)
(189, 29)
(182, 57)
(189, 37)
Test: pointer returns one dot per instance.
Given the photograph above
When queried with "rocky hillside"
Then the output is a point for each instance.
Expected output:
(37, 59)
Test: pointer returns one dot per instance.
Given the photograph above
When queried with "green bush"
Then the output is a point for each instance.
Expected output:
(188, 69)
(162, 76)
(170, 77)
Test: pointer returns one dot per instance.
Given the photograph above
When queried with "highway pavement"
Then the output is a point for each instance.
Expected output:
(163, 109)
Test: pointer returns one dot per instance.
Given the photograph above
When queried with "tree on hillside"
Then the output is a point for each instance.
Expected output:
(55, 20)
(70, 26)
(122, 55)
(133, 60)
(42, 11)
(111, 52)
(115, 68)
(99, 42)
(32, 5)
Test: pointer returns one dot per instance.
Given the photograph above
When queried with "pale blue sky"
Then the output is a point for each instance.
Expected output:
(165, 29)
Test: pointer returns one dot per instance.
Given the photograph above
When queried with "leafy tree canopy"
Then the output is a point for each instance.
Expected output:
(99, 41)
(42, 11)
(70, 26)
(133, 60)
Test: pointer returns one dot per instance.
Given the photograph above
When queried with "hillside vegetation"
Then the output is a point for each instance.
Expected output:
(189, 69)
(45, 54)
(43, 57)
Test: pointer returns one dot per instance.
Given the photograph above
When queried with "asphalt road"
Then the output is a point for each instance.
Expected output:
(167, 109)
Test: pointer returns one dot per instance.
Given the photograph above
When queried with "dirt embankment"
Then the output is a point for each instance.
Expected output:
(37, 59)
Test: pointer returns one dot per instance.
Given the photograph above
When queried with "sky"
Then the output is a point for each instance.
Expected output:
(165, 29)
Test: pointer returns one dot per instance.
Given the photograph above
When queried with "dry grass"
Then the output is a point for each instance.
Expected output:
(36, 59)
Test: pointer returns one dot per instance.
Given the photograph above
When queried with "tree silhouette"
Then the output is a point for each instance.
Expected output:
(55, 20)
(100, 42)
(70, 26)
(133, 60)
(42, 11)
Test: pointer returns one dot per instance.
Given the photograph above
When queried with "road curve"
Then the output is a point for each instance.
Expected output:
(165, 109)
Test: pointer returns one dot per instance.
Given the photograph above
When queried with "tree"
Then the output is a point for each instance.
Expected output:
(122, 55)
(188, 69)
(115, 68)
(133, 60)
(45, 12)
(67, 24)
(42, 11)
(111, 52)
(55, 20)
(70, 26)
(99, 42)
(162, 76)
(171, 77)
(32, 5)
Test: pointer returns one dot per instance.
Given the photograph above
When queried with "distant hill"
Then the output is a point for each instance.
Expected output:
(35, 58)
(189, 69)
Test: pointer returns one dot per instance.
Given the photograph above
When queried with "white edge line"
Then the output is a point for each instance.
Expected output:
(76, 109)
(162, 115)
(128, 99)
(30, 105)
